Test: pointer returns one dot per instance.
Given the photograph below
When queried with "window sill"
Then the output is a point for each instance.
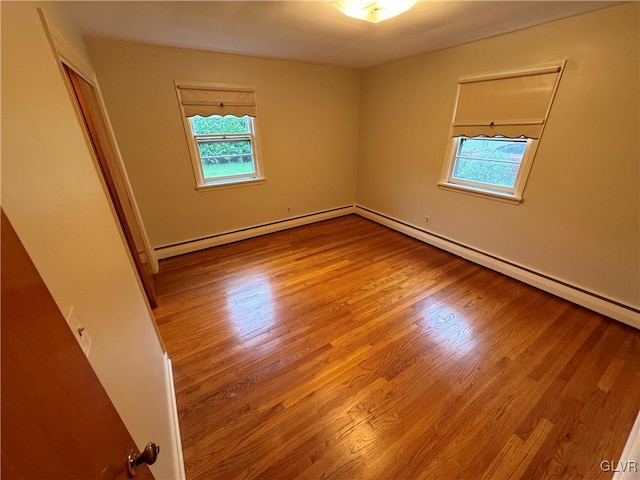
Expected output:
(478, 192)
(236, 182)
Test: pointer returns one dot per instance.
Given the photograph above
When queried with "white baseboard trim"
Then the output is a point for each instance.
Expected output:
(249, 232)
(574, 294)
(178, 459)
(628, 467)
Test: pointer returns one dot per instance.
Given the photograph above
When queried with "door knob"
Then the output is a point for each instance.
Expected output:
(149, 456)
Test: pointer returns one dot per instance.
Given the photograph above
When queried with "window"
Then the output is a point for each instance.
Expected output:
(225, 147)
(497, 125)
(490, 163)
(221, 126)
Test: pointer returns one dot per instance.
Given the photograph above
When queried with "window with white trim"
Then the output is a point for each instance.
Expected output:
(220, 123)
(497, 124)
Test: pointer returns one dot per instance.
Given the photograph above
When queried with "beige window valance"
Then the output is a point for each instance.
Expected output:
(216, 100)
(511, 104)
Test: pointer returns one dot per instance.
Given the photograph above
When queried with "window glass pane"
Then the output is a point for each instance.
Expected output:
(222, 157)
(218, 125)
(213, 147)
(489, 160)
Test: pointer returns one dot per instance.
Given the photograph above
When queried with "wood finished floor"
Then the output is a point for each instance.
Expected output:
(346, 350)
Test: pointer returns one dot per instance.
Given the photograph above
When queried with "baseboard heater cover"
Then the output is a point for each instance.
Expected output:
(593, 301)
(223, 238)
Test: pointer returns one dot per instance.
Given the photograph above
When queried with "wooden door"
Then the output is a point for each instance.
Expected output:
(57, 420)
(114, 178)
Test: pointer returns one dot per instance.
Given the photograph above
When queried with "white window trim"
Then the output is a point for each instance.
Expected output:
(202, 184)
(515, 196)
(505, 194)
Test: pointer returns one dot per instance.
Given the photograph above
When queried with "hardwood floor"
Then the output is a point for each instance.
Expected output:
(346, 350)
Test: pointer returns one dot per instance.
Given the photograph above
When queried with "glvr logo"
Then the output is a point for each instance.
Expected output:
(626, 466)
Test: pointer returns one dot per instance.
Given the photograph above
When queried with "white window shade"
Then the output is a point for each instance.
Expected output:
(511, 104)
(207, 101)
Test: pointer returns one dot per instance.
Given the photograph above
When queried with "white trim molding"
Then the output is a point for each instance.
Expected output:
(477, 192)
(628, 467)
(575, 294)
(178, 459)
(249, 232)
(68, 55)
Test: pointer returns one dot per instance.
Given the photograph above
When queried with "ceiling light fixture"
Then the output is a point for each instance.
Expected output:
(373, 11)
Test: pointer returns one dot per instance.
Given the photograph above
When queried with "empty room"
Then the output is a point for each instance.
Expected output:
(320, 239)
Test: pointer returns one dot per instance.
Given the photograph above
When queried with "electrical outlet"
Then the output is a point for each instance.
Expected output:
(427, 220)
(79, 332)
(288, 208)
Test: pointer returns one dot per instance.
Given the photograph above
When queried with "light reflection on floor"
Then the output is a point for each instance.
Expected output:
(250, 305)
(452, 333)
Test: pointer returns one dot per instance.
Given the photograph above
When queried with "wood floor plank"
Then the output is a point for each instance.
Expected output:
(346, 350)
(515, 456)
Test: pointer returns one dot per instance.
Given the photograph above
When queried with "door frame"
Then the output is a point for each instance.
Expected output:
(86, 101)
(67, 57)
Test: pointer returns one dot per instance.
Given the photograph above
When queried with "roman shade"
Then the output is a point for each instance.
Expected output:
(511, 104)
(216, 100)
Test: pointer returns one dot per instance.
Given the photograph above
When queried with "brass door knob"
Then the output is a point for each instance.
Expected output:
(149, 456)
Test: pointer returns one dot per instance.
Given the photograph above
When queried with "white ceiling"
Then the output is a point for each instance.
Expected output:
(313, 31)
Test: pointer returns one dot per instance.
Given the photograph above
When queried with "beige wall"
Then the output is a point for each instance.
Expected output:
(580, 218)
(308, 125)
(53, 195)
